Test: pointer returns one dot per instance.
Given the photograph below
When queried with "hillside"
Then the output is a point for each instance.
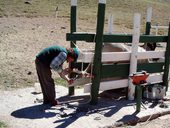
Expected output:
(26, 26)
(122, 10)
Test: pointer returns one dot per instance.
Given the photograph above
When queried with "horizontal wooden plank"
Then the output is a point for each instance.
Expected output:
(151, 54)
(115, 70)
(160, 27)
(87, 57)
(114, 38)
(123, 83)
(151, 38)
(108, 85)
(122, 70)
(88, 37)
(151, 67)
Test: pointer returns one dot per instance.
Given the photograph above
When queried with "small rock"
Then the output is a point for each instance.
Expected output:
(119, 124)
(27, 2)
(63, 27)
(29, 73)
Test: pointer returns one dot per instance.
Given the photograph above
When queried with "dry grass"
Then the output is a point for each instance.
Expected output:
(87, 9)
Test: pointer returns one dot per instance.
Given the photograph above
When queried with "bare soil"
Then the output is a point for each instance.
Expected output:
(20, 40)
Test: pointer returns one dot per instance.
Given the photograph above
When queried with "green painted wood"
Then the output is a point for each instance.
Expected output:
(88, 37)
(167, 59)
(122, 70)
(73, 20)
(148, 28)
(138, 98)
(73, 23)
(128, 38)
(151, 67)
(98, 53)
(115, 38)
(115, 70)
(152, 39)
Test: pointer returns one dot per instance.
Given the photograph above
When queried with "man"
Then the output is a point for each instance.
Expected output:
(49, 58)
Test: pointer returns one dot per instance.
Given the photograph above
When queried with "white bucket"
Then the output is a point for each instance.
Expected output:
(156, 92)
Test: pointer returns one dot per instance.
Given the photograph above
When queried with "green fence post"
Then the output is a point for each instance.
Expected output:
(139, 97)
(98, 52)
(167, 59)
(148, 21)
(73, 29)
(148, 28)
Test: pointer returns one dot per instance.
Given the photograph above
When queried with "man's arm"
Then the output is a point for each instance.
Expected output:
(65, 77)
(56, 65)
(57, 62)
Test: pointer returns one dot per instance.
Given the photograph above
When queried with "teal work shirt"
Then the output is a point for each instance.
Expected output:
(48, 54)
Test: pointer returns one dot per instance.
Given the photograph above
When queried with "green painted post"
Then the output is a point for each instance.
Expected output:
(148, 28)
(148, 21)
(167, 59)
(73, 29)
(139, 97)
(98, 52)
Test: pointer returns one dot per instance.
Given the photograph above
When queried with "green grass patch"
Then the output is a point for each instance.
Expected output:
(2, 125)
(60, 81)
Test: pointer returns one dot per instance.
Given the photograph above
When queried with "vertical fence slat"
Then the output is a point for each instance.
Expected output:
(167, 59)
(134, 54)
(110, 24)
(148, 21)
(98, 52)
(73, 22)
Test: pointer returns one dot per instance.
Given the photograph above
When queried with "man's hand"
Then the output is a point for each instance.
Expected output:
(66, 71)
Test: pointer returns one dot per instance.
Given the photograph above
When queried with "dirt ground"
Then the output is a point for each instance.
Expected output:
(21, 39)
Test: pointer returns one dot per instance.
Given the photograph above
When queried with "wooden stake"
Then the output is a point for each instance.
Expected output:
(134, 54)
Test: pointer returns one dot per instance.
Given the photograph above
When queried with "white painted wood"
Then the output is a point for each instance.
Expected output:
(156, 31)
(73, 2)
(110, 24)
(157, 26)
(149, 14)
(151, 54)
(153, 78)
(120, 56)
(102, 1)
(134, 54)
(108, 85)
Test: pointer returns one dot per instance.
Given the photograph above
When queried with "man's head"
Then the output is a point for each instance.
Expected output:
(72, 54)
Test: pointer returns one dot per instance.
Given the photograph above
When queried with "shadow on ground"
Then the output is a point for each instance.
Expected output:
(33, 112)
(75, 107)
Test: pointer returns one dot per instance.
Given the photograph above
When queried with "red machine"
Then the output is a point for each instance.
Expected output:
(139, 77)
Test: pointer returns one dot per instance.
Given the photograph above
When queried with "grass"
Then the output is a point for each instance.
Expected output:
(2, 125)
(60, 81)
